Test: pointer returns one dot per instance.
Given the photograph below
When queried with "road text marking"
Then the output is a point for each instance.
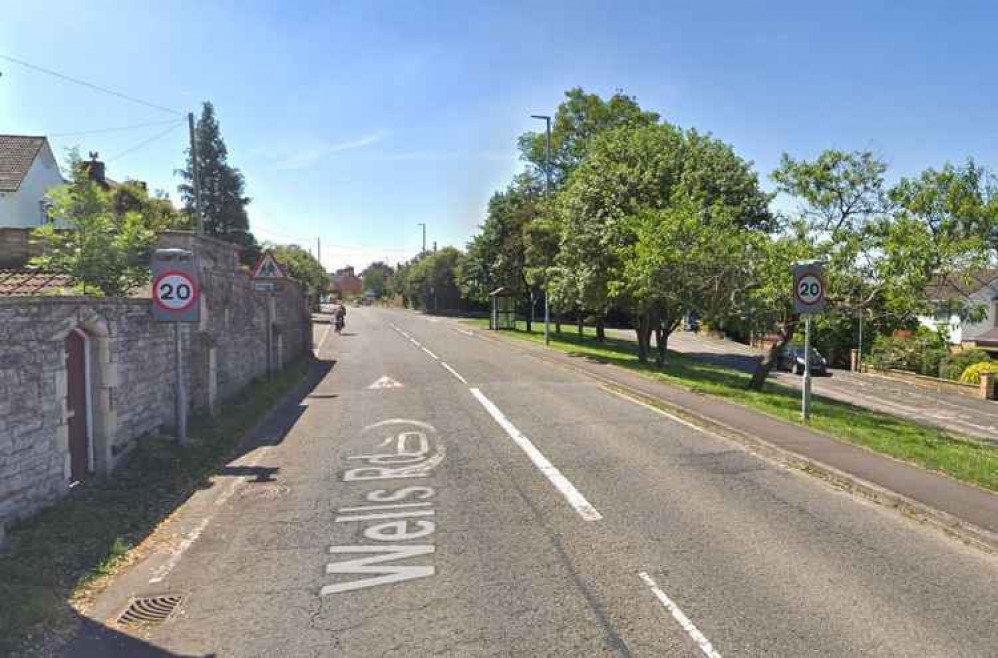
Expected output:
(385, 382)
(560, 482)
(705, 646)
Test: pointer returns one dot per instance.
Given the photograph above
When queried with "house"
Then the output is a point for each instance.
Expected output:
(28, 170)
(951, 296)
(345, 283)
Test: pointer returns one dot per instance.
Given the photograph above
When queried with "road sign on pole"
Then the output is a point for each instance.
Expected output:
(265, 272)
(809, 299)
(176, 298)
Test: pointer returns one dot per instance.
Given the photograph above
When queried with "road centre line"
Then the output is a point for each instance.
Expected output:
(432, 355)
(560, 482)
(705, 646)
(454, 372)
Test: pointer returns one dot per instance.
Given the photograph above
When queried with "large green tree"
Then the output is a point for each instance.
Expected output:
(223, 196)
(377, 278)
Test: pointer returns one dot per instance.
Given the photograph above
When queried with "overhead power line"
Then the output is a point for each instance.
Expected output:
(96, 131)
(176, 124)
(89, 85)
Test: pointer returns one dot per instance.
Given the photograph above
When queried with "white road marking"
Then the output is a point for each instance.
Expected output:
(466, 332)
(432, 355)
(385, 382)
(369, 508)
(560, 482)
(174, 560)
(322, 341)
(386, 515)
(454, 372)
(660, 412)
(705, 646)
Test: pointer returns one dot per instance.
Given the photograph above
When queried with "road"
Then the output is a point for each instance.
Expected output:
(440, 494)
(978, 418)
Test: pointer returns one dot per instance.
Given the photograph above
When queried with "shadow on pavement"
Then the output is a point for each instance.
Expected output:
(95, 640)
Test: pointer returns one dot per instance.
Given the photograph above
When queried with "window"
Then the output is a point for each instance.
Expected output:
(44, 206)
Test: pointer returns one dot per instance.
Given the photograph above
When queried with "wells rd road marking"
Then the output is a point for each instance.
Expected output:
(560, 482)
(402, 514)
(678, 615)
(454, 372)
(385, 382)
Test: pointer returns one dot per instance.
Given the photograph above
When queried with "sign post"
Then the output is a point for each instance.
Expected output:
(176, 296)
(809, 299)
(266, 271)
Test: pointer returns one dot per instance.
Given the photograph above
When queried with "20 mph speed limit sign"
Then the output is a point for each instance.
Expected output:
(175, 290)
(809, 288)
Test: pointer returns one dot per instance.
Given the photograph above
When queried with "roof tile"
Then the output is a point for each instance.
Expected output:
(17, 152)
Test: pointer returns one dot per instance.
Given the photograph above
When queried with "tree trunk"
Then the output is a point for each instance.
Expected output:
(557, 323)
(579, 319)
(768, 361)
(529, 317)
(644, 335)
(600, 330)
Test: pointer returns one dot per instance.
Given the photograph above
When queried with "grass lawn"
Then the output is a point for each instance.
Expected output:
(58, 553)
(933, 448)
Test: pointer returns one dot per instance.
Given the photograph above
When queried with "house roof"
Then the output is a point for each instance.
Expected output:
(23, 283)
(955, 287)
(17, 152)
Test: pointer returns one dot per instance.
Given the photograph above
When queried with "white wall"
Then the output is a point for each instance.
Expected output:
(960, 332)
(21, 209)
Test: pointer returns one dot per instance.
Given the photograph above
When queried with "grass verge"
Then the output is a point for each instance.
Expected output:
(960, 457)
(62, 550)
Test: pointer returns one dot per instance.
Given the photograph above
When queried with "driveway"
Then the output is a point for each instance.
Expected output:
(978, 418)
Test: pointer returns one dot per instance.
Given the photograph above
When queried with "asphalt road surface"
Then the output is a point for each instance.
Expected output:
(440, 494)
(978, 418)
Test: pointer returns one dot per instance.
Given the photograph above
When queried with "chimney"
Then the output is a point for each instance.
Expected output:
(95, 170)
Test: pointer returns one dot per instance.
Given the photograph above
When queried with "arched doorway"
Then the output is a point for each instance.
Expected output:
(79, 406)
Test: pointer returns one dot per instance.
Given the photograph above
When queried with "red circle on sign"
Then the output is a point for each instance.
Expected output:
(187, 303)
(821, 289)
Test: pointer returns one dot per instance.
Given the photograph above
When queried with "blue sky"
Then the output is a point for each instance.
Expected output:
(354, 121)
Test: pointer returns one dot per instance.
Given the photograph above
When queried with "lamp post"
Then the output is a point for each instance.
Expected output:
(547, 191)
(424, 238)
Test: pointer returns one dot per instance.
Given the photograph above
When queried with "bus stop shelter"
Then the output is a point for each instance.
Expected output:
(503, 309)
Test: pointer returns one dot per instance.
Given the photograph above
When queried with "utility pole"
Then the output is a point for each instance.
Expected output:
(547, 192)
(424, 237)
(195, 177)
(318, 249)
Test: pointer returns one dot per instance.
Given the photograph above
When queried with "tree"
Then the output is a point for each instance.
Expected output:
(578, 120)
(431, 280)
(377, 278)
(157, 211)
(223, 199)
(302, 267)
(106, 253)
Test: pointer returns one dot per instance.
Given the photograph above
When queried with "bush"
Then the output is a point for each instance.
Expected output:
(972, 375)
(922, 353)
(953, 366)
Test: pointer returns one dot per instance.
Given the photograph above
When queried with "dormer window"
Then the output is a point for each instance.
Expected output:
(45, 205)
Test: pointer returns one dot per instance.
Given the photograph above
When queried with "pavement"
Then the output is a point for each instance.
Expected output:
(951, 411)
(431, 492)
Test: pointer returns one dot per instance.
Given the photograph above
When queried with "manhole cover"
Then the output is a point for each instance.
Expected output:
(264, 491)
(150, 610)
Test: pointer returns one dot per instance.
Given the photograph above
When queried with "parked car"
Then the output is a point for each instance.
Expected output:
(791, 359)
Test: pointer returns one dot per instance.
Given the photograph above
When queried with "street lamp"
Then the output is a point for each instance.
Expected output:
(424, 238)
(547, 190)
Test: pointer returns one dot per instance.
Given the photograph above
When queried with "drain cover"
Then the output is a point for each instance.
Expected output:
(150, 610)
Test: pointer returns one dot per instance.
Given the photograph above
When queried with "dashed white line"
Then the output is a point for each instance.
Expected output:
(432, 355)
(560, 482)
(705, 646)
(454, 372)
(466, 332)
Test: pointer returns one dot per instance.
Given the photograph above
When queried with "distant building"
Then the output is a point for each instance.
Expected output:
(28, 170)
(950, 295)
(345, 283)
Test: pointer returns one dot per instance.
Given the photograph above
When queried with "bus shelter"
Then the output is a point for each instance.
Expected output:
(503, 309)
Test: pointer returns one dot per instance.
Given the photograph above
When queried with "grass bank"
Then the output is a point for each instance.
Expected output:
(930, 447)
(59, 553)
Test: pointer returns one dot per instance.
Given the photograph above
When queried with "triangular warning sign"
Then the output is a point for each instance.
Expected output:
(385, 382)
(267, 267)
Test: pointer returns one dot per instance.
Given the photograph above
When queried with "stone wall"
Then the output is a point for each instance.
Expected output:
(132, 368)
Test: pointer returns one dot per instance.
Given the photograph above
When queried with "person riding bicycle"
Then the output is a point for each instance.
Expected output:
(339, 315)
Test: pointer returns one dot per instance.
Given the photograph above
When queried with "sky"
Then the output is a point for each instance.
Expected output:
(353, 122)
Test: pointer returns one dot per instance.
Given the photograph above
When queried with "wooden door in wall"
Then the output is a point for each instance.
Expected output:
(76, 401)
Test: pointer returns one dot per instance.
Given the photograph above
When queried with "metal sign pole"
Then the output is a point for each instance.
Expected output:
(181, 390)
(806, 388)
(547, 316)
